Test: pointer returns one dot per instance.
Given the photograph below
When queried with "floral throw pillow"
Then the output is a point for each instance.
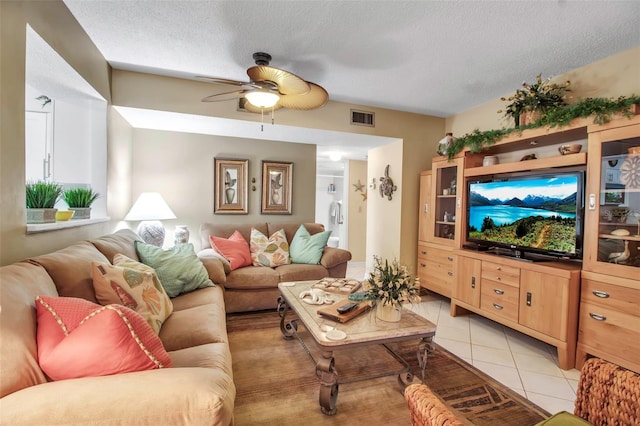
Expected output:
(272, 251)
(134, 285)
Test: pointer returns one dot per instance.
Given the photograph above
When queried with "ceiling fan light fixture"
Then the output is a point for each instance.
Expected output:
(262, 98)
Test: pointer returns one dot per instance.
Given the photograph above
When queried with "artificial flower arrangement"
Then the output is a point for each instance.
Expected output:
(391, 284)
(542, 96)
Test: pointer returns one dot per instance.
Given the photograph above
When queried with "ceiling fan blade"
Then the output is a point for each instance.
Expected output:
(226, 96)
(246, 84)
(288, 83)
(316, 98)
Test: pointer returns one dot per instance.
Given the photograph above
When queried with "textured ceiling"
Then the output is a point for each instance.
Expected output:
(430, 57)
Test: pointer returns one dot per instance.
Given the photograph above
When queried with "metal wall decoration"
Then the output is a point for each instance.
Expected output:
(277, 185)
(231, 186)
(387, 188)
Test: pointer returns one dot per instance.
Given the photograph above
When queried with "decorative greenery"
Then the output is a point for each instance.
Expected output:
(42, 195)
(391, 284)
(80, 197)
(601, 109)
(540, 96)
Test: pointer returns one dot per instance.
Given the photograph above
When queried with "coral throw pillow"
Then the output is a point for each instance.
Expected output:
(235, 249)
(307, 248)
(134, 285)
(272, 251)
(77, 338)
(179, 268)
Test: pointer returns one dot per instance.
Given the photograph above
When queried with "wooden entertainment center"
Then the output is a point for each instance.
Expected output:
(582, 307)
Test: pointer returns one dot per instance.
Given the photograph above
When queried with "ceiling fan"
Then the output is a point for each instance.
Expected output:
(271, 88)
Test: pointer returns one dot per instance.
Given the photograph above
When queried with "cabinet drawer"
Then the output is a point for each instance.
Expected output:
(501, 273)
(499, 299)
(437, 255)
(436, 276)
(622, 299)
(609, 331)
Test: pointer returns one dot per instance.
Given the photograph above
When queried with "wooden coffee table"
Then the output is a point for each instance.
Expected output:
(360, 331)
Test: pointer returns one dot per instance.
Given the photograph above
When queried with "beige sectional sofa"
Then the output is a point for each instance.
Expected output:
(253, 288)
(197, 389)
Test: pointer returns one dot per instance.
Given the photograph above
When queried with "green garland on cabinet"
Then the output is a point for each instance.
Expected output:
(602, 109)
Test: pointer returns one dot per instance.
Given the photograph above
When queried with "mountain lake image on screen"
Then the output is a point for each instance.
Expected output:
(537, 213)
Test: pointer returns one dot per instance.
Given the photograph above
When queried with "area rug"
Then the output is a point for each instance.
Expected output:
(277, 385)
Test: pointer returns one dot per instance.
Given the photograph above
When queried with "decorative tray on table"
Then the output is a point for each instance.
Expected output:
(338, 285)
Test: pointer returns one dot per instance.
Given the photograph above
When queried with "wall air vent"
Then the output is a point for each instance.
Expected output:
(241, 101)
(363, 118)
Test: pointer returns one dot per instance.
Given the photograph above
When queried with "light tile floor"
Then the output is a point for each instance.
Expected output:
(526, 365)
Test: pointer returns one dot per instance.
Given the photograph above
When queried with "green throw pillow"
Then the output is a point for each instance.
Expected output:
(178, 268)
(306, 248)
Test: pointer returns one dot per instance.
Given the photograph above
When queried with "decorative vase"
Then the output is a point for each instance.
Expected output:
(41, 215)
(529, 117)
(181, 235)
(388, 313)
(230, 194)
(81, 212)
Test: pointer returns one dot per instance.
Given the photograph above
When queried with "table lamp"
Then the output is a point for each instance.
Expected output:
(150, 208)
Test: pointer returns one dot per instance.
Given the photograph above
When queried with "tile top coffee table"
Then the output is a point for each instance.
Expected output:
(360, 331)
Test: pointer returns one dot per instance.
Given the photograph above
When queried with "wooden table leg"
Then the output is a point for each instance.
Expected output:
(325, 370)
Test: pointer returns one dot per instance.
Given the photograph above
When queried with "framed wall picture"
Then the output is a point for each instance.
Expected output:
(231, 186)
(277, 183)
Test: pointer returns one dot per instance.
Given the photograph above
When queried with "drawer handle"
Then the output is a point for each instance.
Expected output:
(498, 279)
(498, 291)
(601, 294)
(498, 307)
(597, 317)
(423, 265)
(498, 268)
(450, 273)
(423, 252)
(450, 259)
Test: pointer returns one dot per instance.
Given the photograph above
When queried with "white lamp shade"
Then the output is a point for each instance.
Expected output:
(150, 206)
(262, 99)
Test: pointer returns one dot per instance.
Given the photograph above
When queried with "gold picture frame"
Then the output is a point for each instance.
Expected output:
(277, 184)
(231, 186)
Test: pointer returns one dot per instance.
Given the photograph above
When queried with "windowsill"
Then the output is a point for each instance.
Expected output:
(34, 228)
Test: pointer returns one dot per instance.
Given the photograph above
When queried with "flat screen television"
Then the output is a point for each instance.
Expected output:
(535, 212)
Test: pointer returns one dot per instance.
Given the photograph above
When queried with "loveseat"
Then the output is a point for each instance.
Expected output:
(197, 389)
(253, 288)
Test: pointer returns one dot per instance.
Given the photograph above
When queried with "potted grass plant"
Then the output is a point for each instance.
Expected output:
(80, 200)
(41, 198)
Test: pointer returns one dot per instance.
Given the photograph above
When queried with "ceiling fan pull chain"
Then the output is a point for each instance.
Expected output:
(262, 119)
(272, 116)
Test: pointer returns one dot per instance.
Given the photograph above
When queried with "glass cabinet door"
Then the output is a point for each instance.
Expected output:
(613, 202)
(446, 201)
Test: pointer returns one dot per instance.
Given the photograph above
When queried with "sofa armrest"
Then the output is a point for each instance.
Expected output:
(169, 396)
(217, 266)
(333, 256)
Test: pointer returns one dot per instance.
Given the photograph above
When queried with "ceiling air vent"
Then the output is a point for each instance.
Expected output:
(363, 118)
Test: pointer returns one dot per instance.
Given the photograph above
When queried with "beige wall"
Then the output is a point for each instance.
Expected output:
(180, 167)
(357, 232)
(617, 75)
(56, 25)
(384, 215)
